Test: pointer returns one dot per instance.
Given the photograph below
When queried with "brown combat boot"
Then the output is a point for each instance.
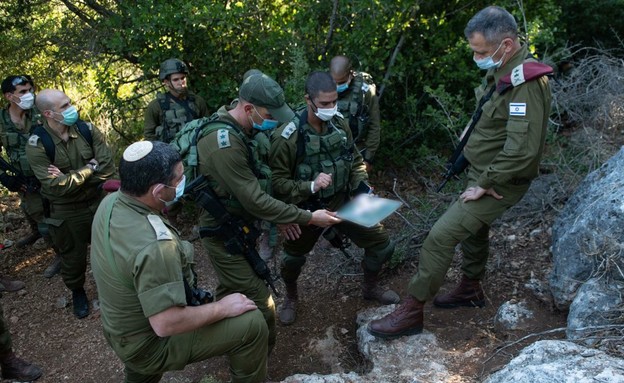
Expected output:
(372, 291)
(407, 319)
(17, 368)
(287, 312)
(468, 293)
(9, 285)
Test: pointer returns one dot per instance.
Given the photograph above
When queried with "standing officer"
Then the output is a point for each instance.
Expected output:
(16, 124)
(166, 114)
(228, 160)
(358, 102)
(143, 272)
(315, 164)
(71, 160)
(504, 151)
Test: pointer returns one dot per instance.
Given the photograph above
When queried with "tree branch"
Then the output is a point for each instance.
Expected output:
(330, 32)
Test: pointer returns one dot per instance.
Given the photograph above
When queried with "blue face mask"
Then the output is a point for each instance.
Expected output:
(266, 123)
(70, 116)
(342, 87)
(488, 62)
(179, 192)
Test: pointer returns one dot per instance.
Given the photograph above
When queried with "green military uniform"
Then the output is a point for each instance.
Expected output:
(14, 139)
(142, 275)
(224, 160)
(360, 105)
(504, 151)
(331, 151)
(162, 125)
(73, 196)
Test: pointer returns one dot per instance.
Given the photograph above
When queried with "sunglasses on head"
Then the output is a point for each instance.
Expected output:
(20, 80)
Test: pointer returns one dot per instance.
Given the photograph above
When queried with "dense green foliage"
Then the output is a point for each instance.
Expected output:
(106, 53)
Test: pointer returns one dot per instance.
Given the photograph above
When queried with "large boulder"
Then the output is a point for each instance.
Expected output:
(588, 235)
(552, 361)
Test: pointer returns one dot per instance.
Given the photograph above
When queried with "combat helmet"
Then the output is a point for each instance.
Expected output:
(171, 66)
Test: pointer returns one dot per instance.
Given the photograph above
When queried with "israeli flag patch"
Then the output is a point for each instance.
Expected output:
(289, 130)
(517, 108)
(223, 138)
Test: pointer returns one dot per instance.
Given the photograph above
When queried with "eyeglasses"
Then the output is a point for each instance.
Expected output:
(20, 80)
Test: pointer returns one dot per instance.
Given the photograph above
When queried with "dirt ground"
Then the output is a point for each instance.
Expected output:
(323, 339)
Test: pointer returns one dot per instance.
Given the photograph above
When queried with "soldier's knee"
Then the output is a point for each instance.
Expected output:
(290, 261)
(376, 256)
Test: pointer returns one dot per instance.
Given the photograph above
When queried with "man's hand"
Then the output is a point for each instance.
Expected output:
(235, 304)
(474, 193)
(324, 218)
(54, 171)
(369, 167)
(291, 231)
(322, 181)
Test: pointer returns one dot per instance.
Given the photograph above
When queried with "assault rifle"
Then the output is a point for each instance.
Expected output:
(331, 234)
(18, 180)
(237, 235)
(458, 163)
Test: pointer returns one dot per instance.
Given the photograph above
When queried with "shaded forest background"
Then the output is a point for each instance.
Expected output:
(105, 54)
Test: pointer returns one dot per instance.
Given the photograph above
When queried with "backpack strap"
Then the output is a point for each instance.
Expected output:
(84, 129)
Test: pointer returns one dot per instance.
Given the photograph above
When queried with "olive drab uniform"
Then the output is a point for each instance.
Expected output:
(298, 155)
(240, 179)
(359, 104)
(504, 151)
(14, 140)
(73, 196)
(143, 273)
(167, 114)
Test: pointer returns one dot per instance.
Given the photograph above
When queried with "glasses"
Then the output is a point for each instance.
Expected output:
(20, 80)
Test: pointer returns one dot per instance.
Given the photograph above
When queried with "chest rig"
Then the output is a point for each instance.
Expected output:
(14, 140)
(175, 113)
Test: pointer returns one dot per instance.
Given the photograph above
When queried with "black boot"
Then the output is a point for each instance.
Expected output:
(372, 291)
(287, 312)
(468, 293)
(407, 319)
(81, 303)
(17, 368)
(29, 239)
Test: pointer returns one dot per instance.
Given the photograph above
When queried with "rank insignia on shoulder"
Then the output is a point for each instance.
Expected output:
(223, 138)
(517, 108)
(160, 229)
(289, 130)
(365, 87)
(33, 139)
(339, 115)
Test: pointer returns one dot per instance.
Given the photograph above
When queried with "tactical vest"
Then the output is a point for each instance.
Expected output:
(331, 153)
(354, 106)
(14, 140)
(174, 114)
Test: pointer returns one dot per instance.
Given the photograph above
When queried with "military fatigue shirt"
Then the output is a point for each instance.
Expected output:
(508, 141)
(14, 138)
(367, 140)
(154, 115)
(78, 183)
(143, 273)
(227, 165)
(284, 161)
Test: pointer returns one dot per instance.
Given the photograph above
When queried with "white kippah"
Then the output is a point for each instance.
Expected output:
(137, 151)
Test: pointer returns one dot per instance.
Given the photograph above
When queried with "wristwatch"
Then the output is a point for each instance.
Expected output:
(93, 166)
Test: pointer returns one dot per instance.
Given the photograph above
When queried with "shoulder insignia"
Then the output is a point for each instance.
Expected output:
(223, 138)
(522, 73)
(339, 115)
(289, 130)
(365, 87)
(33, 139)
(160, 229)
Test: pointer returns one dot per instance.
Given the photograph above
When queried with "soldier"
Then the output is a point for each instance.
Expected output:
(143, 271)
(166, 114)
(71, 160)
(228, 160)
(314, 163)
(504, 151)
(16, 124)
(13, 367)
(358, 102)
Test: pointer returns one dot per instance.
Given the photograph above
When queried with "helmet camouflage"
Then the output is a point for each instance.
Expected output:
(171, 66)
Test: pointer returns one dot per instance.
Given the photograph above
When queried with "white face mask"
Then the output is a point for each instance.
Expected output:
(26, 101)
(326, 114)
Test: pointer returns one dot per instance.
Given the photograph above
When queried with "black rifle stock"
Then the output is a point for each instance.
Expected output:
(238, 237)
(331, 234)
(458, 163)
(32, 185)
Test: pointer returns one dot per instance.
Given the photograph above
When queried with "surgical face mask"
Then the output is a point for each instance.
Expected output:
(342, 87)
(487, 62)
(266, 123)
(70, 116)
(179, 192)
(327, 113)
(26, 101)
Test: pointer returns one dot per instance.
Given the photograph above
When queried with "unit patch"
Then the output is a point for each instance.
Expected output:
(517, 109)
